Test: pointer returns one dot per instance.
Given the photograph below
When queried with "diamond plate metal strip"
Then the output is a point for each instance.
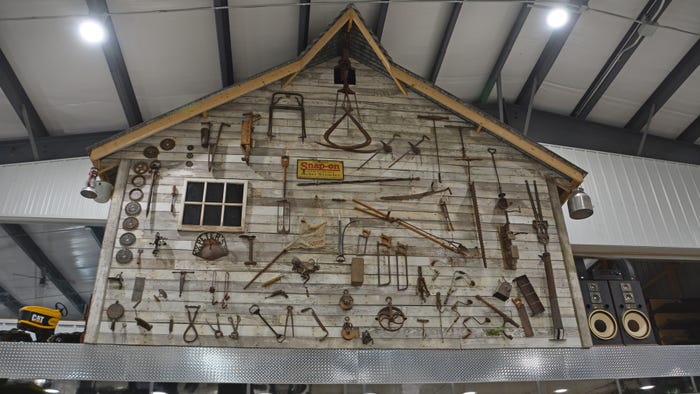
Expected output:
(203, 364)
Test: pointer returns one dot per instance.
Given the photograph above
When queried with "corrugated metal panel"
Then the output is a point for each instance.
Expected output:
(638, 202)
(48, 191)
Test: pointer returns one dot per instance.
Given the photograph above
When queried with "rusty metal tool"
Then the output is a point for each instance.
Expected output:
(143, 324)
(401, 250)
(422, 322)
(376, 180)
(502, 202)
(157, 243)
(227, 285)
(506, 318)
(421, 286)
(362, 235)
(508, 249)
(211, 152)
(204, 133)
(439, 306)
(524, 319)
(183, 275)
(265, 268)
(255, 310)
(348, 332)
(318, 321)
(457, 275)
(390, 318)
(271, 281)
(413, 148)
(290, 316)
(247, 129)
(416, 196)
(284, 208)
(118, 278)
(250, 239)
(217, 331)
(346, 301)
(137, 291)
(435, 118)
(528, 291)
(454, 308)
(212, 288)
(234, 333)
(340, 257)
(383, 243)
(386, 148)
(453, 246)
(276, 103)
(115, 312)
(173, 196)
(539, 224)
(139, 252)
(155, 173)
(277, 293)
(192, 312)
(446, 214)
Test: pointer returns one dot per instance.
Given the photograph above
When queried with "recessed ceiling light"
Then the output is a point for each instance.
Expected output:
(557, 18)
(52, 391)
(561, 390)
(647, 387)
(159, 392)
(469, 392)
(92, 31)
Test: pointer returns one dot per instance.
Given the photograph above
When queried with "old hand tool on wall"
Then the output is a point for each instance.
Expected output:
(346, 301)
(541, 228)
(401, 253)
(421, 286)
(292, 102)
(265, 268)
(157, 243)
(386, 148)
(390, 317)
(341, 256)
(183, 275)
(438, 305)
(509, 250)
(173, 196)
(348, 332)
(114, 313)
(217, 331)
(446, 214)
(413, 149)
(234, 326)
(506, 318)
(211, 152)
(502, 202)
(192, 312)
(255, 310)
(251, 240)
(305, 269)
(212, 288)
(290, 317)
(416, 196)
(447, 244)
(383, 253)
(318, 321)
(524, 319)
(118, 278)
(247, 134)
(284, 209)
(155, 173)
(437, 149)
(204, 134)
(531, 297)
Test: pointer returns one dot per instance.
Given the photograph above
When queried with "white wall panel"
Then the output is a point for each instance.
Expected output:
(48, 191)
(639, 203)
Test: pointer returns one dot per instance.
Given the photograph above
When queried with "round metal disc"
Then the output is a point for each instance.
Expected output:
(190, 155)
(124, 256)
(115, 311)
(138, 180)
(130, 223)
(133, 208)
(189, 163)
(155, 164)
(167, 144)
(135, 194)
(127, 239)
(140, 167)
(190, 147)
(151, 152)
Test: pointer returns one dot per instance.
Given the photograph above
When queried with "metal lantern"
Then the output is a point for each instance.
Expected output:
(97, 189)
(89, 190)
(580, 206)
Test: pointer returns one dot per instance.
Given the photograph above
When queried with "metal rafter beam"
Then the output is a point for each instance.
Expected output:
(447, 35)
(548, 56)
(667, 88)
(304, 15)
(547, 127)
(381, 20)
(51, 148)
(32, 250)
(505, 52)
(617, 60)
(15, 93)
(98, 232)
(117, 66)
(692, 132)
(223, 38)
(9, 300)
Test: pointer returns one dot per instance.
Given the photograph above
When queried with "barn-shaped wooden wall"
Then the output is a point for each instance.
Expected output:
(387, 115)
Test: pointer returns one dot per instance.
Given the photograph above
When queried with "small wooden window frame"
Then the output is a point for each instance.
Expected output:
(223, 204)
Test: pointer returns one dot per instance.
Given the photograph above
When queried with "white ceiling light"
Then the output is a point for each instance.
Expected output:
(52, 391)
(557, 18)
(561, 390)
(469, 392)
(647, 387)
(92, 31)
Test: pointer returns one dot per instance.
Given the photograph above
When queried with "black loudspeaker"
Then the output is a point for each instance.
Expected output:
(600, 312)
(632, 314)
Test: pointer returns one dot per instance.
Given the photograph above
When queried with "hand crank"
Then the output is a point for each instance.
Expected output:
(255, 310)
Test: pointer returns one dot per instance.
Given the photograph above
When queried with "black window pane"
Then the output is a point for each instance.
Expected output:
(215, 192)
(195, 191)
(212, 215)
(234, 193)
(232, 216)
(191, 213)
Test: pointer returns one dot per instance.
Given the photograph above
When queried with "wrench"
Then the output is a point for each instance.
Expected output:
(255, 310)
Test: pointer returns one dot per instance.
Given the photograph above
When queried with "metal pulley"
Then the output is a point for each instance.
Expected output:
(580, 205)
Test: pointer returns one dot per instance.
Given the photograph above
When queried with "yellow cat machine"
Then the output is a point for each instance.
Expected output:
(42, 322)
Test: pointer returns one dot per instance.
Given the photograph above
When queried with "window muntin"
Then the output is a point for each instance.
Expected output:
(213, 205)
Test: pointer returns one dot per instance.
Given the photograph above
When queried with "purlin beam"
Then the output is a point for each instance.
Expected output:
(625, 49)
(447, 35)
(51, 148)
(692, 132)
(223, 38)
(9, 300)
(304, 16)
(505, 52)
(15, 93)
(381, 20)
(116, 64)
(667, 88)
(548, 56)
(32, 250)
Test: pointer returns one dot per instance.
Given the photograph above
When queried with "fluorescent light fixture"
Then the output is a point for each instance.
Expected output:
(52, 391)
(92, 31)
(647, 387)
(40, 382)
(159, 392)
(469, 392)
(561, 390)
(557, 18)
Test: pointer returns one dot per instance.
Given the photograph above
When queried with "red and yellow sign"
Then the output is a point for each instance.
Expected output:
(320, 169)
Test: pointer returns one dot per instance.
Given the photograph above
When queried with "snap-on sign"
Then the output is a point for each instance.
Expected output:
(320, 169)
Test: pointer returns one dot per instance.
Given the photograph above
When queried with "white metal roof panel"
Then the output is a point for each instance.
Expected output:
(475, 45)
(324, 13)
(262, 38)
(172, 57)
(413, 33)
(10, 125)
